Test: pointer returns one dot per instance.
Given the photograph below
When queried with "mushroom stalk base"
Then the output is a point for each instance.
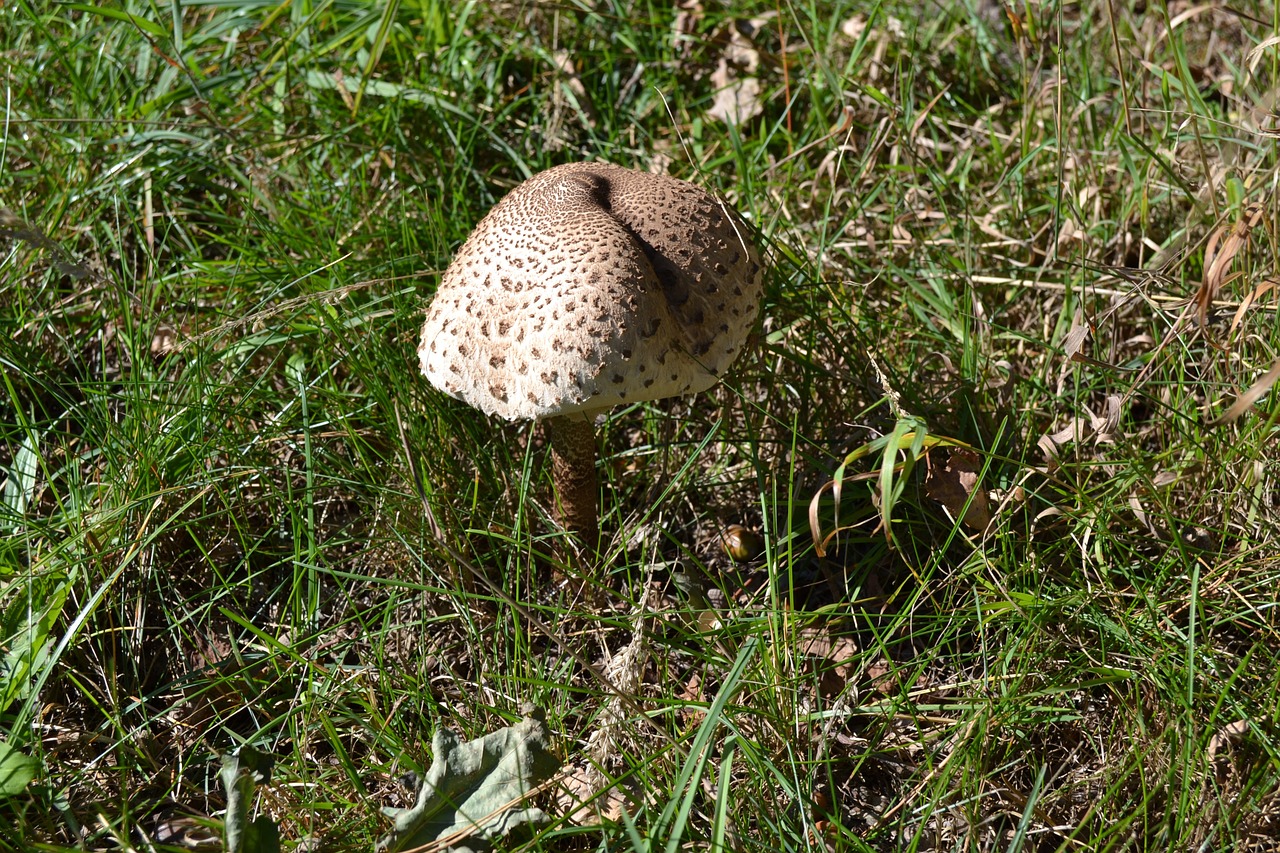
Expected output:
(573, 469)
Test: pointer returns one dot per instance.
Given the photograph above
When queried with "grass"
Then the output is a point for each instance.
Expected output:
(232, 512)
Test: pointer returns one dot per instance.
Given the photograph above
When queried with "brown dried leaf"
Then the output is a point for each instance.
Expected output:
(164, 341)
(815, 523)
(685, 27)
(947, 364)
(1074, 342)
(1216, 262)
(955, 486)
(884, 677)
(1135, 506)
(1106, 426)
(832, 657)
(1225, 736)
(1049, 448)
(574, 86)
(854, 27)
(1068, 234)
(1001, 376)
(1255, 55)
(819, 643)
(587, 797)
(737, 91)
(692, 695)
(1246, 400)
(1256, 294)
(1043, 518)
(737, 99)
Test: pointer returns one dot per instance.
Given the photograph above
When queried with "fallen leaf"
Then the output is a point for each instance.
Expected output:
(1258, 292)
(17, 769)
(1230, 734)
(589, 797)
(1255, 55)
(955, 486)
(685, 26)
(854, 27)
(1044, 518)
(833, 658)
(576, 89)
(1107, 425)
(736, 98)
(883, 676)
(164, 340)
(473, 793)
(241, 774)
(189, 832)
(1074, 342)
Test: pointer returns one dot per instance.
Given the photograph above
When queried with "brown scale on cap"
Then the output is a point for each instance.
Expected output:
(578, 284)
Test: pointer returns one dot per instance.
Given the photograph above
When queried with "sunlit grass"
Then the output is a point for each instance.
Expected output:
(233, 512)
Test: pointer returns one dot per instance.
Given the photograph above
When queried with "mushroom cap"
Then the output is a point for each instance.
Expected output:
(590, 285)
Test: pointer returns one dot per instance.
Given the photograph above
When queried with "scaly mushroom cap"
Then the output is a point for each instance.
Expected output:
(590, 285)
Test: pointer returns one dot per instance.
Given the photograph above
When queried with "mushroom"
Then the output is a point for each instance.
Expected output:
(587, 286)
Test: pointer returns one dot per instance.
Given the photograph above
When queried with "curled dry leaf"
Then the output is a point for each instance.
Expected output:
(737, 100)
(1049, 448)
(1068, 234)
(1044, 517)
(188, 832)
(1104, 427)
(1073, 345)
(1076, 430)
(1256, 294)
(1255, 56)
(694, 698)
(854, 27)
(955, 486)
(1135, 506)
(587, 799)
(947, 364)
(1217, 260)
(1230, 734)
(820, 541)
(1000, 376)
(887, 678)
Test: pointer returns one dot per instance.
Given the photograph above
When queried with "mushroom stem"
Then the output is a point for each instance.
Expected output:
(573, 469)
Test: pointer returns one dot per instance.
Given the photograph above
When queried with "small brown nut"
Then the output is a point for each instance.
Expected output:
(741, 543)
